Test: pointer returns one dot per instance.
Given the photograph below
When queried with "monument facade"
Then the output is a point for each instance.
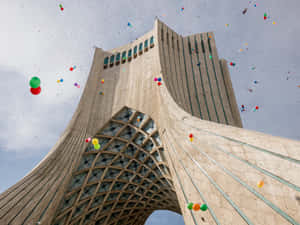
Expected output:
(164, 114)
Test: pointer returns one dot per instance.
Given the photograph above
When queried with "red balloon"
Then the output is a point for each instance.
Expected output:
(35, 91)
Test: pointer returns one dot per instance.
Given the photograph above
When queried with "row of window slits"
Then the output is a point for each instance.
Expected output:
(189, 44)
(111, 59)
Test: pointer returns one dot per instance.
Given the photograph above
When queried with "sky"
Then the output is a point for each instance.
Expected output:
(38, 39)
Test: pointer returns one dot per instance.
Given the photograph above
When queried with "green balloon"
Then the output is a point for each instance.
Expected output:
(203, 207)
(35, 82)
(97, 146)
(190, 206)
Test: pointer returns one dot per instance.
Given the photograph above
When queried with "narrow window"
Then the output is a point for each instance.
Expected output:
(162, 34)
(167, 38)
(118, 58)
(135, 51)
(172, 42)
(112, 58)
(123, 56)
(196, 47)
(141, 48)
(129, 54)
(202, 45)
(105, 62)
(151, 42)
(209, 46)
(146, 45)
(178, 45)
(190, 48)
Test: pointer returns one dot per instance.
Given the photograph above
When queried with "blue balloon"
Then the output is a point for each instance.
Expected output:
(61, 80)
(159, 79)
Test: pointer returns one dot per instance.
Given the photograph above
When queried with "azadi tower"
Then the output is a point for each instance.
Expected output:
(147, 160)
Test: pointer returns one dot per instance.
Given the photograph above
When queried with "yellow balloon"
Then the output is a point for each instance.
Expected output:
(95, 141)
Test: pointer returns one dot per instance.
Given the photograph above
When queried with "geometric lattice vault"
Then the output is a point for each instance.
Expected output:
(122, 182)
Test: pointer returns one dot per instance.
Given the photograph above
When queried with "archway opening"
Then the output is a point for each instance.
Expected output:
(164, 217)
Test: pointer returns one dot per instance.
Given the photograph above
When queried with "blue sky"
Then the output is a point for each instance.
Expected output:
(37, 39)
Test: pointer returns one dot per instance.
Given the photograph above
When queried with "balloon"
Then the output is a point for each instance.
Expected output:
(95, 141)
(196, 207)
(159, 83)
(191, 139)
(35, 82)
(102, 81)
(155, 79)
(190, 206)
(58, 81)
(203, 207)
(97, 146)
(260, 184)
(159, 79)
(35, 91)
(191, 135)
(61, 80)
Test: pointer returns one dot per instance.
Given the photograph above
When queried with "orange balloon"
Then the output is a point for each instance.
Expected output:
(196, 207)
(260, 184)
